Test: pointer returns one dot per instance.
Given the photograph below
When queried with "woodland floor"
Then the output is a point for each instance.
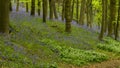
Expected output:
(18, 16)
(105, 64)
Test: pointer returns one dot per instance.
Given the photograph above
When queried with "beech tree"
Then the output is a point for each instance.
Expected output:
(68, 15)
(63, 10)
(55, 11)
(39, 7)
(17, 6)
(118, 24)
(73, 4)
(10, 6)
(82, 12)
(45, 2)
(89, 13)
(27, 9)
(51, 9)
(4, 16)
(112, 17)
(77, 11)
(104, 18)
(32, 7)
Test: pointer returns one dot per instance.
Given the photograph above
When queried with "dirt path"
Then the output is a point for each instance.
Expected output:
(106, 64)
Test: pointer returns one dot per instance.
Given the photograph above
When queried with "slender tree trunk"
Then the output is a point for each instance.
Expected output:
(103, 19)
(58, 2)
(118, 23)
(51, 8)
(89, 13)
(82, 12)
(4, 16)
(112, 17)
(68, 15)
(54, 8)
(106, 17)
(45, 2)
(32, 7)
(63, 10)
(39, 7)
(77, 11)
(17, 7)
(73, 3)
(10, 5)
(27, 7)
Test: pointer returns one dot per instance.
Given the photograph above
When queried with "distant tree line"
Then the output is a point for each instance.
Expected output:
(84, 12)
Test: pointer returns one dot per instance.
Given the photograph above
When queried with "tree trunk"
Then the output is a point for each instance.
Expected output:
(4, 16)
(44, 10)
(106, 17)
(63, 10)
(82, 12)
(112, 17)
(58, 3)
(73, 3)
(32, 7)
(27, 7)
(118, 23)
(10, 5)
(103, 19)
(51, 8)
(17, 7)
(68, 15)
(77, 11)
(54, 8)
(39, 7)
(89, 13)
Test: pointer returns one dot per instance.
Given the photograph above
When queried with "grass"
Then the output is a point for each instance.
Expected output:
(110, 45)
(33, 44)
(73, 55)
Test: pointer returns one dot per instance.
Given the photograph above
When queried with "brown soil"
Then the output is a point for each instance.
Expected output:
(106, 64)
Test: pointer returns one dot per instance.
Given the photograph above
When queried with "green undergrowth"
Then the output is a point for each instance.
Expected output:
(75, 56)
(110, 45)
(29, 55)
(34, 44)
(78, 38)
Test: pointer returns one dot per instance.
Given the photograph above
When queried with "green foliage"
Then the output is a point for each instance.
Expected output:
(110, 45)
(97, 8)
(74, 55)
(23, 47)
(15, 56)
(38, 44)
(97, 4)
(79, 57)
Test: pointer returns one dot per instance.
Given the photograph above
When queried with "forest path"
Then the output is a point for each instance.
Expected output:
(105, 64)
